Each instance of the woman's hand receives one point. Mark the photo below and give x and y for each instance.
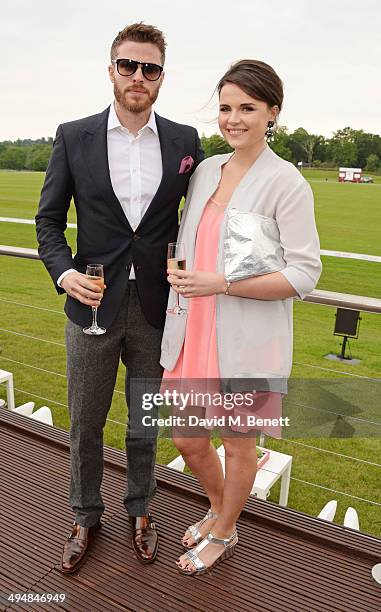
(196, 284)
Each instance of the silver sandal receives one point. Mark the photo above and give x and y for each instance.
(200, 567)
(194, 530)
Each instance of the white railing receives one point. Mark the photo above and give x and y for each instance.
(317, 296)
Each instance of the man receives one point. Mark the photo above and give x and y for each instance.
(127, 169)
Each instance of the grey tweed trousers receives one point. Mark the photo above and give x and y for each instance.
(92, 365)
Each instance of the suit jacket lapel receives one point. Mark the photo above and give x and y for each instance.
(172, 150)
(94, 148)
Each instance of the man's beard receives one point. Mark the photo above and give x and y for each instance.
(135, 107)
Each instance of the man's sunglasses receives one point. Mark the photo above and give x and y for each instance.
(127, 67)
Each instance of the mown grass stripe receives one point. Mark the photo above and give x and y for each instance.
(9, 331)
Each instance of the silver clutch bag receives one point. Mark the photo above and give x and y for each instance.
(251, 245)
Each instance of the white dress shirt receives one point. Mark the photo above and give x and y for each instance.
(135, 167)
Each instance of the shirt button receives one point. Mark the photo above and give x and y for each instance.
(136, 237)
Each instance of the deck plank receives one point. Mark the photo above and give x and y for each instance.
(286, 561)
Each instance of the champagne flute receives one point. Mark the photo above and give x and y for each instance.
(176, 261)
(94, 272)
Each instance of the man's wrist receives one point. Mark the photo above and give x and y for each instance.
(63, 275)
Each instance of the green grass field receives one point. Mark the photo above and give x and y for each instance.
(32, 345)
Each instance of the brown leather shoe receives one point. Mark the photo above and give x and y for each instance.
(76, 547)
(144, 538)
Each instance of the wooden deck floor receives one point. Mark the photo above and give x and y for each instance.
(285, 562)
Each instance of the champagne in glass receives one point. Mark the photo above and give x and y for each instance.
(94, 272)
(176, 261)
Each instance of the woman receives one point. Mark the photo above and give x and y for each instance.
(240, 329)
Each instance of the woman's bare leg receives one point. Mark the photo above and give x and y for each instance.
(201, 457)
(240, 471)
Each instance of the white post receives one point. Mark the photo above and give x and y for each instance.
(10, 393)
(7, 377)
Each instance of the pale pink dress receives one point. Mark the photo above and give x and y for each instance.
(199, 358)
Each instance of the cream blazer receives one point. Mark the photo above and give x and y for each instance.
(254, 337)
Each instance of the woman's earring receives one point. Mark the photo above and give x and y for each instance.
(269, 132)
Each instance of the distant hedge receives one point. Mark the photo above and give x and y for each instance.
(26, 154)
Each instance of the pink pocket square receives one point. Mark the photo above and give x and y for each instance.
(186, 164)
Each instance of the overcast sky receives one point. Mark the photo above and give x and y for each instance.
(54, 58)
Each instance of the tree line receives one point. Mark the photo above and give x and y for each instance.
(25, 154)
(347, 147)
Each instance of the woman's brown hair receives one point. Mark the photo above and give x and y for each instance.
(257, 79)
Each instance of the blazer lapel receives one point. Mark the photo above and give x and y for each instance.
(172, 150)
(94, 149)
